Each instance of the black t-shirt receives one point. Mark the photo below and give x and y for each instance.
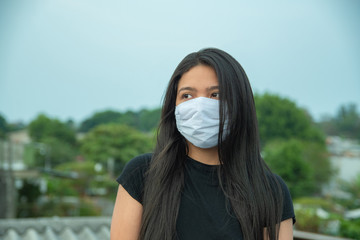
(203, 213)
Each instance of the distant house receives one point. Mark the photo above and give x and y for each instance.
(12, 170)
(12, 150)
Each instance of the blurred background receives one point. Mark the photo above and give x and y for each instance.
(81, 85)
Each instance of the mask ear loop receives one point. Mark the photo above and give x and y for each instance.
(185, 144)
(224, 122)
(221, 132)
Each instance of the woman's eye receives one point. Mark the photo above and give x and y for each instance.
(215, 95)
(186, 96)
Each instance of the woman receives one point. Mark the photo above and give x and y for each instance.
(206, 178)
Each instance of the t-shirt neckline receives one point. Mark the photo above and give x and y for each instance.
(202, 166)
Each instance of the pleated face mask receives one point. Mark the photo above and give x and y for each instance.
(198, 121)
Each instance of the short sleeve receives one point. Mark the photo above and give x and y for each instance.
(288, 208)
(132, 176)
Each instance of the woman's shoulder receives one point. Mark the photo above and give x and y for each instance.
(142, 161)
(132, 176)
(275, 179)
(277, 183)
(288, 208)
(280, 180)
(135, 168)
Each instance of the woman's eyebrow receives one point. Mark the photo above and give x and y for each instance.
(212, 88)
(187, 89)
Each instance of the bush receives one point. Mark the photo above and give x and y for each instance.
(307, 220)
(350, 228)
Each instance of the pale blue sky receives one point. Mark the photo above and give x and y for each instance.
(70, 58)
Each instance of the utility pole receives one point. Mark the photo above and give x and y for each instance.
(2, 180)
(111, 166)
(7, 186)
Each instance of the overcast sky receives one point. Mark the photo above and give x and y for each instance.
(70, 58)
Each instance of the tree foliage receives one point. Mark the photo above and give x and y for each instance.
(99, 118)
(85, 173)
(303, 165)
(44, 127)
(3, 127)
(353, 188)
(28, 194)
(143, 120)
(149, 119)
(280, 118)
(286, 159)
(53, 151)
(16, 126)
(115, 141)
(345, 123)
(293, 145)
(54, 142)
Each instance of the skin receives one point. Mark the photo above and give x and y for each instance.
(199, 81)
(126, 219)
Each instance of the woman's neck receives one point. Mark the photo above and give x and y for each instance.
(208, 156)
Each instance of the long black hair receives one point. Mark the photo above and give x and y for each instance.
(251, 190)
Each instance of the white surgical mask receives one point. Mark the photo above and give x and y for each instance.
(198, 121)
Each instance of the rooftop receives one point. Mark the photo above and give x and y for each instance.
(55, 228)
(83, 228)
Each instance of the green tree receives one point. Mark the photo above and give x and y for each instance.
(316, 156)
(328, 125)
(115, 141)
(350, 228)
(345, 123)
(99, 118)
(43, 127)
(28, 195)
(16, 126)
(292, 144)
(84, 173)
(295, 161)
(3, 127)
(51, 152)
(54, 142)
(280, 118)
(309, 220)
(88, 176)
(129, 118)
(144, 120)
(149, 119)
(353, 188)
(286, 159)
(76, 180)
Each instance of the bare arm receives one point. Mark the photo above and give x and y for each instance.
(286, 230)
(126, 219)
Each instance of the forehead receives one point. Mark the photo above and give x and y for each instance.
(198, 76)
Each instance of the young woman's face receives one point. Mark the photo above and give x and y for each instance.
(199, 81)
